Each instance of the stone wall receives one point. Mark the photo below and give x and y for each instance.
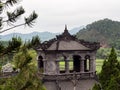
(70, 85)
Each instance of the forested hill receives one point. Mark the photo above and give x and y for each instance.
(106, 31)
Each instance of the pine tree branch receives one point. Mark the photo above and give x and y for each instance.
(12, 27)
(11, 2)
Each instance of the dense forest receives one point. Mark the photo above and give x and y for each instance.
(106, 31)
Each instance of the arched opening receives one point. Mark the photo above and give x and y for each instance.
(62, 64)
(40, 62)
(87, 63)
(76, 63)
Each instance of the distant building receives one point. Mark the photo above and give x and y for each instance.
(67, 63)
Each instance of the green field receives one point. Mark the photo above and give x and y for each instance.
(99, 63)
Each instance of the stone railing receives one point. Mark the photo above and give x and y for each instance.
(68, 76)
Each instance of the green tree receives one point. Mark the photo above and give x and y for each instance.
(109, 70)
(1, 47)
(33, 43)
(27, 78)
(113, 84)
(14, 44)
(8, 51)
(96, 87)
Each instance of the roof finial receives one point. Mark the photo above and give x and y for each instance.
(66, 30)
(65, 27)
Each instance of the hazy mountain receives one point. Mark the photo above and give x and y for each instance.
(43, 35)
(75, 30)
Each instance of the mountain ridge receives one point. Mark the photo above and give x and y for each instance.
(44, 36)
(105, 31)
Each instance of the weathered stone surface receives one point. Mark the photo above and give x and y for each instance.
(67, 45)
(50, 85)
(70, 85)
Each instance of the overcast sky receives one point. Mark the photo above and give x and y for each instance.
(54, 14)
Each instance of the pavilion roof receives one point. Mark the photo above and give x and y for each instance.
(66, 42)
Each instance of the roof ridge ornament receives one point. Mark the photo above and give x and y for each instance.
(66, 27)
(65, 33)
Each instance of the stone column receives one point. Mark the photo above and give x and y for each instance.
(85, 65)
(82, 65)
(91, 64)
(67, 65)
(38, 64)
(58, 67)
(44, 64)
(94, 63)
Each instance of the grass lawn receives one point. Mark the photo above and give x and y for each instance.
(62, 65)
(99, 63)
